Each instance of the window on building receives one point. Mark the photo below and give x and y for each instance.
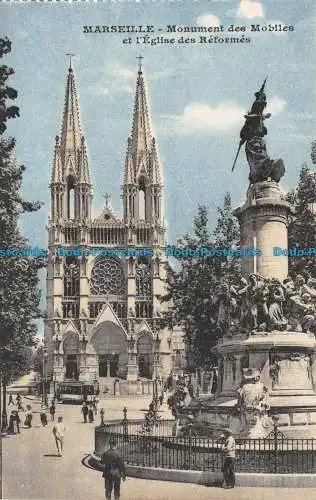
(107, 277)
(71, 277)
(142, 199)
(70, 198)
(143, 277)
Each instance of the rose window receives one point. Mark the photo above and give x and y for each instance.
(107, 277)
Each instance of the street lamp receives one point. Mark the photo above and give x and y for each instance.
(3, 350)
(3, 414)
(44, 395)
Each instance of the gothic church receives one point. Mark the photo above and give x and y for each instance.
(104, 315)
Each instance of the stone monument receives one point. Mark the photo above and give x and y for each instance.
(267, 349)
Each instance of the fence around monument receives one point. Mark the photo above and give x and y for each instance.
(160, 448)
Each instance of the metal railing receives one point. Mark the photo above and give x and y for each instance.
(276, 454)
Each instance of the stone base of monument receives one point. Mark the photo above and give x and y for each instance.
(281, 378)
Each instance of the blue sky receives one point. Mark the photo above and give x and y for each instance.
(198, 94)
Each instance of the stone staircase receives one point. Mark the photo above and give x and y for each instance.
(106, 383)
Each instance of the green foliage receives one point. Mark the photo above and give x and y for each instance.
(6, 111)
(19, 293)
(302, 229)
(18, 362)
(38, 360)
(191, 288)
(313, 153)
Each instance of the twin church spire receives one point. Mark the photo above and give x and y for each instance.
(71, 182)
(71, 188)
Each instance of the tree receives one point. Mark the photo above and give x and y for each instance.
(38, 360)
(302, 229)
(192, 287)
(313, 153)
(19, 292)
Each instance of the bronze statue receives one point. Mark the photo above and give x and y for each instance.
(262, 167)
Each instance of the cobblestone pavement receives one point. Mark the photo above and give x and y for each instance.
(32, 469)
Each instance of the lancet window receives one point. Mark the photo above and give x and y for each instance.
(143, 277)
(71, 277)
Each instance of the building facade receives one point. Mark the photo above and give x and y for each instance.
(104, 315)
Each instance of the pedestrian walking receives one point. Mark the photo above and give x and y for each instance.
(102, 416)
(10, 429)
(59, 431)
(91, 414)
(19, 403)
(113, 471)
(229, 460)
(52, 410)
(20, 407)
(95, 405)
(43, 415)
(28, 417)
(17, 422)
(84, 411)
(10, 402)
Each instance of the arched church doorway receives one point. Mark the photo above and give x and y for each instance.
(71, 356)
(109, 365)
(109, 343)
(145, 355)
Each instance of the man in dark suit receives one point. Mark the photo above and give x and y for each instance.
(113, 471)
(229, 459)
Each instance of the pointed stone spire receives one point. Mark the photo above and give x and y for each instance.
(143, 183)
(141, 150)
(141, 131)
(70, 165)
(72, 148)
(70, 130)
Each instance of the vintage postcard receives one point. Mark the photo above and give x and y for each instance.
(157, 249)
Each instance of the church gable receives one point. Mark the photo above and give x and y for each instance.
(69, 327)
(107, 314)
(143, 327)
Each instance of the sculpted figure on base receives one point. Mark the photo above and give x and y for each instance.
(262, 167)
(253, 404)
(254, 304)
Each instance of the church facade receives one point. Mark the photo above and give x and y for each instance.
(106, 274)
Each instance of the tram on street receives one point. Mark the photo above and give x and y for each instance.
(77, 392)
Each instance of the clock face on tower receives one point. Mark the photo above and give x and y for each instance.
(107, 277)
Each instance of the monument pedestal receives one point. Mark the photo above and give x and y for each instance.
(263, 223)
(285, 361)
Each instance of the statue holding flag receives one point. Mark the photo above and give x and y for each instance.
(262, 168)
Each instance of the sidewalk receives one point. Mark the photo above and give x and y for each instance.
(32, 470)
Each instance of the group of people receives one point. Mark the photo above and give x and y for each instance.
(90, 411)
(14, 423)
(43, 414)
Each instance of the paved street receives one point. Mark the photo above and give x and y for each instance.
(32, 470)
